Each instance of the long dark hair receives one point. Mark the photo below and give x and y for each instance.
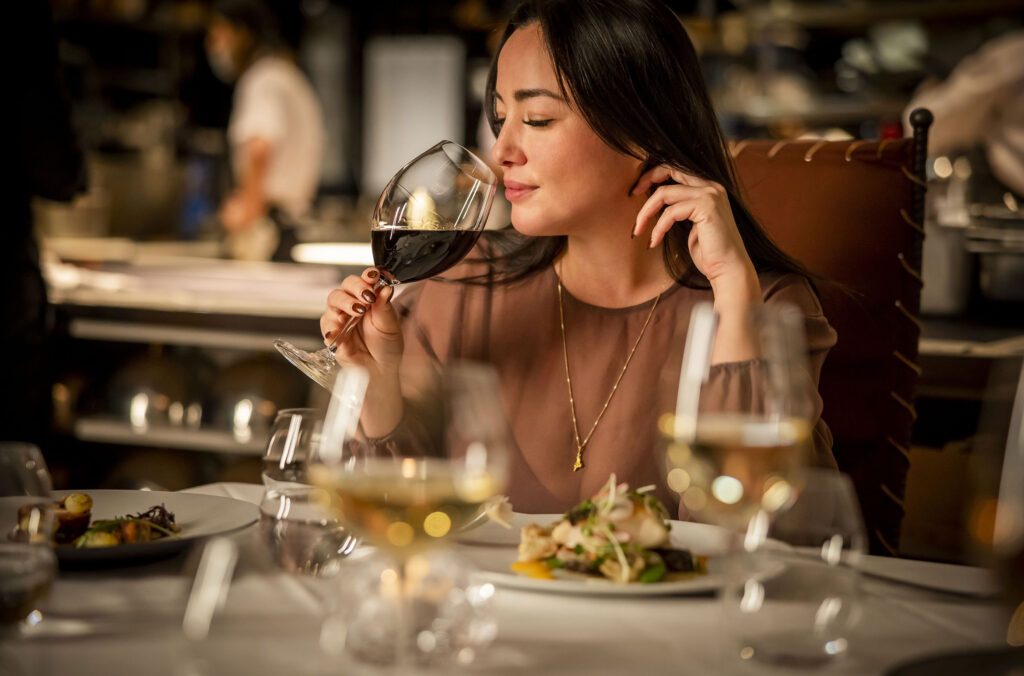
(632, 72)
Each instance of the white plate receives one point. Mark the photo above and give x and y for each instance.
(200, 516)
(493, 562)
(493, 533)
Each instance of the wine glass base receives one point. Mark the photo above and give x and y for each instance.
(319, 366)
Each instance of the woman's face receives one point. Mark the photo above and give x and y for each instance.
(559, 176)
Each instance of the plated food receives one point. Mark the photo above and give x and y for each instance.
(621, 535)
(74, 525)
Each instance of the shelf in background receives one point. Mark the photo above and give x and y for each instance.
(108, 431)
(135, 332)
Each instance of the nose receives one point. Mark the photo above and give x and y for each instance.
(506, 151)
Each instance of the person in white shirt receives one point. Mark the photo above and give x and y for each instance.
(981, 104)
(276, 130)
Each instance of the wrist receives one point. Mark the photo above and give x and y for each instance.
(737, 293)
(382, 406)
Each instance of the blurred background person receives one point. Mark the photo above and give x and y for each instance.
(981, 106)
(48, 163)
(275, 133)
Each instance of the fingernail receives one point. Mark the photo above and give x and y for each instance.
(368, 296)
(373, 274)
(359, 308)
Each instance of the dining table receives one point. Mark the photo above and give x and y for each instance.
(127, 619)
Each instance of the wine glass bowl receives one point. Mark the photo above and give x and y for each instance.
(428, 217)
(730, 457)
(448, 457)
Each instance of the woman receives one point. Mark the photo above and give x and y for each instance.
(609, 144)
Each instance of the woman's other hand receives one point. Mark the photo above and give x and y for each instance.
(715, 246)
(714, 240)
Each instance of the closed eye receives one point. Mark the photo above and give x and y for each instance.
(537, 123)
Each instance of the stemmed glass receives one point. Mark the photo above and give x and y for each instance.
(27, 562)
(409, 493)
(429, 216)
(731, 459)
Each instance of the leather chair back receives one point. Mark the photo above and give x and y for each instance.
(852, 213)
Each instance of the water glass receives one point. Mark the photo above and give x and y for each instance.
(294, 434)
(792, 594)
(301, 534)
(27, 563)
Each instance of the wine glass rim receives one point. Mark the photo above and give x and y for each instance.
(300, 411)
(482, 171)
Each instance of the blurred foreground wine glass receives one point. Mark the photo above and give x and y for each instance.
(406, 495)
(792, 594)
(28, 565)
(730, 459)
(995, 509)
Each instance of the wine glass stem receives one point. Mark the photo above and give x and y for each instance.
(354, 320)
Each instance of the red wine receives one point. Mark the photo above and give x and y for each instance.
(412, 254)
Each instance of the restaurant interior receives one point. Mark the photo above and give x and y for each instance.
(873, 139)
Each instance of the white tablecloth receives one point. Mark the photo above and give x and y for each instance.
(270, 625)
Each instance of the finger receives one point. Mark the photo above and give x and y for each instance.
(663, 173)
(352, 287)
(676, 213)
(329, 324)
(663, 196)
(371, 275)
(658, 174)
(382, 316)
(350, 346)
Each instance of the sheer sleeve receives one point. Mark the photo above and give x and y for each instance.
(424, 340)
(734, 386)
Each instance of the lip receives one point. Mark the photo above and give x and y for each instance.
(515, 191)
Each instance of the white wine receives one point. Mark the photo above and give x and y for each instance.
(738, 464)
(404, 505)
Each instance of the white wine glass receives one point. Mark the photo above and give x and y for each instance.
(729, 457)
(429, 216)
(409, 493)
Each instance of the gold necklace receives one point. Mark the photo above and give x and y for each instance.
(580, 445)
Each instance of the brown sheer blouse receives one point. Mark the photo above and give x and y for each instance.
(515, 328)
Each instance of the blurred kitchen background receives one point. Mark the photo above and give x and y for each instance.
(164, 371)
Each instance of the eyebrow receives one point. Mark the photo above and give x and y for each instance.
(523, 94)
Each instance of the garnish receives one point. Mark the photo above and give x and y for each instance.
(619, 534)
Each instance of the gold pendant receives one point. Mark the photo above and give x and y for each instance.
(578, 465)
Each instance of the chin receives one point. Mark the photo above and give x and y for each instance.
(532, 226)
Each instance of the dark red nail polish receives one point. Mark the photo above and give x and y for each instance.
(368, 296)
(373, 274)
(359, 308)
